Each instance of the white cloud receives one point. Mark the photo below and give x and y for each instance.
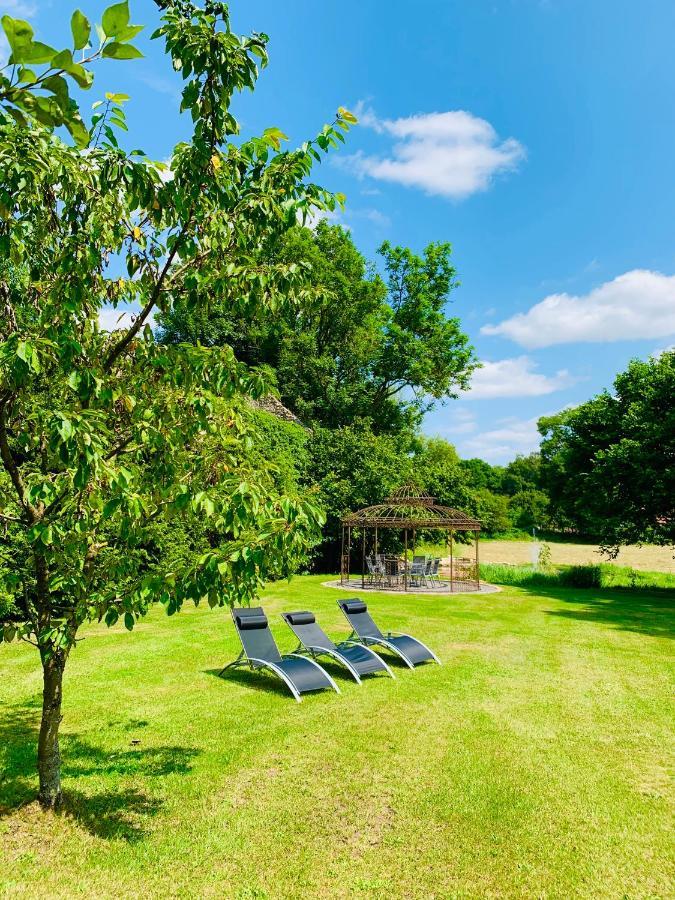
(452, 154)
(374, 216)
(160, 84)
(515, 378)
(503, 444)
(459, 421)
(637, 304)
(19, 8)
(312, 218)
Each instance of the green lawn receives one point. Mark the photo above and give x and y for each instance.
(534, 762)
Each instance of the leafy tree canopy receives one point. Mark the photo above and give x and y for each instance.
(104, 437)
(609, 464)
(360, 347)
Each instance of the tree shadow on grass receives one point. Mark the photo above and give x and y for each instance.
(644, 613)
(119, 812)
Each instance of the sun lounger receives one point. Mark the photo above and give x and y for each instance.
(354, 656)
(408, 648)
(259, 651)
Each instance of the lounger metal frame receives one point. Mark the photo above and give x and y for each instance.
(383, 642)
(304, 649)
(254, 663)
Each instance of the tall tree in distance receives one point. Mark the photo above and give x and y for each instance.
(609, 464)
(104, 435)
(360, 346)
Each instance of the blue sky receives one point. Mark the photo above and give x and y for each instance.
(538, 136)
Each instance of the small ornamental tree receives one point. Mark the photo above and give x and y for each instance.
(103, 436)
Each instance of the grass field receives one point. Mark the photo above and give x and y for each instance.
(646, 558)
(535, 762)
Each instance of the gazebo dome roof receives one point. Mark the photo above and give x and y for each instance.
(408, 507)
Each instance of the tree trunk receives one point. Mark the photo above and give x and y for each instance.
(49, 758)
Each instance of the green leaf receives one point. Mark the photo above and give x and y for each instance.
(274, 136)
(128, 33)
(78, 131)
(347, 116)
(81, 29)
(26, 76)
(19, 34)
(115, 18)
(128, 621)
(121, 51)
(64, 61)
(35, 52)
(59, 87)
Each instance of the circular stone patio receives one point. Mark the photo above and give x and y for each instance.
(443, 589)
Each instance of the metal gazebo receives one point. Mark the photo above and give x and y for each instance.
(410, 510)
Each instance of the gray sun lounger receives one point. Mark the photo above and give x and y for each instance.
(259, 651)
(410, 650)
(356, 657)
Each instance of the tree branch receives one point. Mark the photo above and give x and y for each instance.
(11, 467)
(122, 345)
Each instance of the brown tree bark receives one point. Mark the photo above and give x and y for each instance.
(49, 757)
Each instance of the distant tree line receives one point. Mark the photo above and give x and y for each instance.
(366, 355)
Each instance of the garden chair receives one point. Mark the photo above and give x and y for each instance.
(355, 657)
(259, 651)
(431, 574)
(418, 570)
(374, 571)
(408, 648)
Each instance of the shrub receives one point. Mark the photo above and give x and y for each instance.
(581, 577)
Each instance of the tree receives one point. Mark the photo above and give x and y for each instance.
(352, 467)
(609, 464)
(528, 509)
(105, 436)
(521, 474)
(359, 348)
(480, 474)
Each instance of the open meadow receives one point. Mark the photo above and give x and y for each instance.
(646, 558)
(533, 762)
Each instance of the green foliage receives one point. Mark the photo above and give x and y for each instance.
(352, 467)
(581, 576)
(521, 474)
(609, 464)
(32, 98)
(544, 560)
(480, 474)
(492, 511)
(107, 440)
(528, 509)
(605, 576)
(354, 345)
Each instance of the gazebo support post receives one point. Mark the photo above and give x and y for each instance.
(452, 574)
(363, 557)
(405, 559)
(342, 557)
(477, 563)
(349, 550)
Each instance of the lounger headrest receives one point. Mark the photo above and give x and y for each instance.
(301, 618)
(256, 620)
(354, 606)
